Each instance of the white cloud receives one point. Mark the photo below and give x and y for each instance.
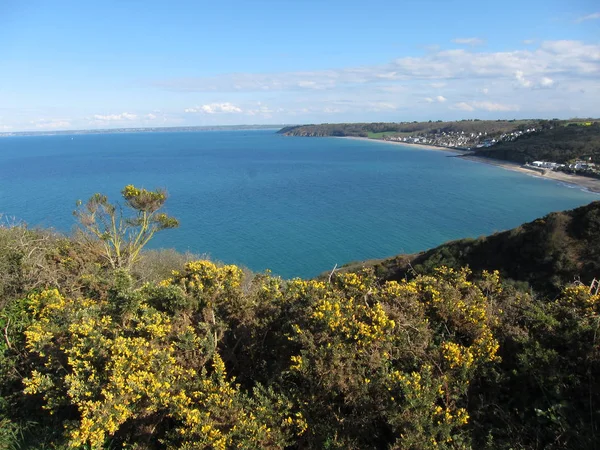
(485, 106)
(387, 75)
(473, 41)
(150, 116)
(464, 106)
(393, 89)
(540, 83)
(566, 59)
(262, 110)
(593, 16)
(51, 124)
(309, 84)
(490, 106)
(115, 117)
(437, 99)
(215, 108)
(521, 79)
(528, 42)
(380, 106)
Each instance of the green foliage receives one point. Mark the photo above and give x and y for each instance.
(545, 391)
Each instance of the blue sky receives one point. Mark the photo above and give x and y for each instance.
(129, 63)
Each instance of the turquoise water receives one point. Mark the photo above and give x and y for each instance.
(295, 205)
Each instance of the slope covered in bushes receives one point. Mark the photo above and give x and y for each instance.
(546, 254)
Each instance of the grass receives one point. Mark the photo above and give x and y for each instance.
(383, 134)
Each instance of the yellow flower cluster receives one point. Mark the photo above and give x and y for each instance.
(298, 289)
(410, 382)
(206, 279)
(456, 355)
(130, 191)
(120, 371)
(456, 417)
(465, 310)
(357, 322)
(579, 295)
(349, 281)
(271, 289)
(393, 289)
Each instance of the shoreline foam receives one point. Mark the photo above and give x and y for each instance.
(587, 183)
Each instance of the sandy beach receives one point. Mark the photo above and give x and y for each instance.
(406, 144)
(591, 184)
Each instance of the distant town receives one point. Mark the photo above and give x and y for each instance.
(459, 139)
(571, 146)
(472, 141)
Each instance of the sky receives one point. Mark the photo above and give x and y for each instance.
(70, 65)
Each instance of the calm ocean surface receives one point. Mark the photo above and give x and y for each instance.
(295, 205)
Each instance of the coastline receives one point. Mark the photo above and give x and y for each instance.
(406, 144)
(590, 184)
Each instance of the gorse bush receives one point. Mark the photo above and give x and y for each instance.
(212, 357)
(148, 365)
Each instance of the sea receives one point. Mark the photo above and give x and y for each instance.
(294, 205)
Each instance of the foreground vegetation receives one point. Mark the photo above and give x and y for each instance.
(154, 350)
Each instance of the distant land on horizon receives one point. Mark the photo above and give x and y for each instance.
(373, 130)
(144, 130)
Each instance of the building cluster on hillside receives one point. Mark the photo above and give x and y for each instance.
(459, 139)
(546, 165)
(579, 166)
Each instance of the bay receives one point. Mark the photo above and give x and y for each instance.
(294, 205)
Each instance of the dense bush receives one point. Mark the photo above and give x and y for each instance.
(214, 357)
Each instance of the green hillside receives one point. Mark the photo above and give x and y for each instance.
(560, 144)
(546, 254)
(377, 129)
